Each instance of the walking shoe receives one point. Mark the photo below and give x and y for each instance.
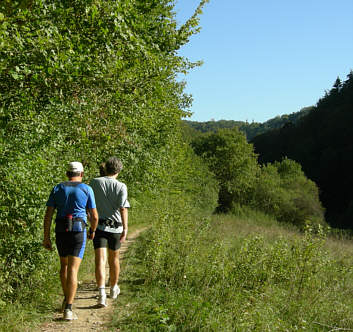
(102, 300)
(114, 292)
(63, 305)
(69, 315)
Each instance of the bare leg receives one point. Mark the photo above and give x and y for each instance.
(114, 266)
(72, 272)
(63, 274)
(100, 259)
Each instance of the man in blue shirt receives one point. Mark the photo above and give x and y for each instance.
(72, 200)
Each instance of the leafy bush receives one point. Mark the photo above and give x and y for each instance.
(233, 162)
(282, 190)
(188, 178)
(83, 80)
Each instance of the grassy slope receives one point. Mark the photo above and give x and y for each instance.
(281, 281)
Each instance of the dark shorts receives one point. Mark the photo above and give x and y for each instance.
(104, 239)
(71, 243)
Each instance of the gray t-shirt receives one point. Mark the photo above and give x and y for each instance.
(110, 195)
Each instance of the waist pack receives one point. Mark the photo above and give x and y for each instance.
(109, 223)
(69, 224)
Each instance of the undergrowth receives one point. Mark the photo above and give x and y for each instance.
(192, 280)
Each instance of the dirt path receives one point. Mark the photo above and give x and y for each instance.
(90, 316)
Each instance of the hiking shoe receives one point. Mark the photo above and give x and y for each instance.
(69, 315)
(114, 292)
(63, 305)
(102, 300)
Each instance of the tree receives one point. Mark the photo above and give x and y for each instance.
(338, 84)
(322, 143)
(233, 162)
(81, 80)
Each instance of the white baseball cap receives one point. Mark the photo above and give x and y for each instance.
(75, 166)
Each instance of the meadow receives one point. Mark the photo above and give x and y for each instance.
(191, 272)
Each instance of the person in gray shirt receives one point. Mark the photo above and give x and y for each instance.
(112, 206)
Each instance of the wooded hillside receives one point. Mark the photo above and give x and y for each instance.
(323, 144)
(249, 129)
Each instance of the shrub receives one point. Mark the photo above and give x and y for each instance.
(282, 190)
(232, 160)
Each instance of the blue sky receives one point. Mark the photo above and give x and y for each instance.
(264, 58)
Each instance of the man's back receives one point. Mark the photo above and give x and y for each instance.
(71, 198)
(110, 195)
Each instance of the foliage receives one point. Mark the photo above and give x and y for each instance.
(188, 178)
(322, 144)
(233, 162)
(280, 189)
(283, 191)
(81, 81)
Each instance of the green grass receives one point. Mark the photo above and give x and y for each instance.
(230, 273)
(34, 304)
(191, 272)
(37, 305)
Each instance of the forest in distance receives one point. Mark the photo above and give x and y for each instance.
(319, 138)
(250, 129)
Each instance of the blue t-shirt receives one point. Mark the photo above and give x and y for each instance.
(72, 198)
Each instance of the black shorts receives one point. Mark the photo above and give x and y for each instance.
(71, 243)
(104, 239)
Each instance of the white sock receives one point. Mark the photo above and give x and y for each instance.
(101, 290)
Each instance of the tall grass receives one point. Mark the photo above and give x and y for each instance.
(34, 300)
(236, 274)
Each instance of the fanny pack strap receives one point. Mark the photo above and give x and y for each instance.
(64, 224)
(109, 223)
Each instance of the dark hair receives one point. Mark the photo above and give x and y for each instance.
(70, 174)
(102, 170)
(113, 166)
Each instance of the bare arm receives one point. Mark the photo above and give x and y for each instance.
(47, 225)
(124, 219)
(93, 218)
